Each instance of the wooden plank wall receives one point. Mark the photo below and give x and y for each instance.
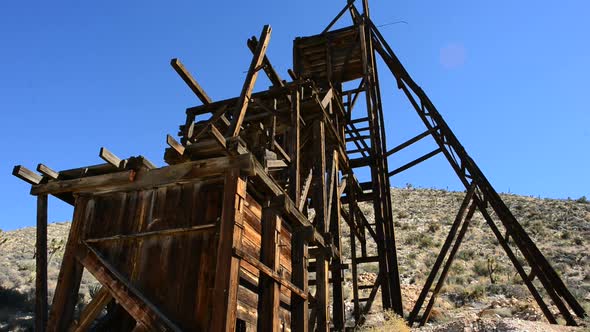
(174, 272)
(251, 243)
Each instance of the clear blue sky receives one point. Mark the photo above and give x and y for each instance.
(510, 77)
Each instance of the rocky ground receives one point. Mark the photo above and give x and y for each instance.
(482, 293)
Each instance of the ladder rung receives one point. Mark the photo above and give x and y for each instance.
(356, 151)
(359, 120)
(366, 185)
(357, 138)
(360, 162)
(365, 286)
(357, 130)
(364, 197)
(370, 259)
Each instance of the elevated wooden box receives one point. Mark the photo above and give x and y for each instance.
(180, 247)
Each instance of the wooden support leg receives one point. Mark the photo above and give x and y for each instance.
(224, 306)
(445, 271)
(299, 306)
(70, 274)
(319, 200)
(441, 256)
(337, 277)
(41, 262)
(269, 294)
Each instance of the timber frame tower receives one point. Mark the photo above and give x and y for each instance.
(245, 222)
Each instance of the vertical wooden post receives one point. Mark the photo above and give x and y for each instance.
(299, 306)
(269, 295)
(337, 278)
(41, 262)
(294, 147)
(70, 274)
(319, 200)
(227, 268)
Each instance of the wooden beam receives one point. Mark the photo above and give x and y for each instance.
(269, 272)
(41, 265)
(48, 172)
(155, 234)
(269, 288)
(175, 145)
(327, 98)
(26, 175)
(294, 148)
(129, 297)
(448, 263)
(227, 267)
(127, 180)
(88, 183)
(190, 81)
(442, 254)
(273, 76)
(70, 274)
(305, 191)
(244, 99)
(299, 274)
(92, 310)
(319, 200)
(414, 162)
(110, 158)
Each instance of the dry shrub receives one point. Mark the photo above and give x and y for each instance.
(393, 323)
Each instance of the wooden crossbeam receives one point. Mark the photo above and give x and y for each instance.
(125, 180)
(190, 81)
(249, 82)
(26, 175)
(155, 234)
(269, 272)
(175, 145)
(127, 295)
(48, 172)
(414, 162)
(111, 158)
(92, 310)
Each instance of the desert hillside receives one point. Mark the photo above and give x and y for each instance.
(482, 293)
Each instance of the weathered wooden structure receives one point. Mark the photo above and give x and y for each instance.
(242, 229)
